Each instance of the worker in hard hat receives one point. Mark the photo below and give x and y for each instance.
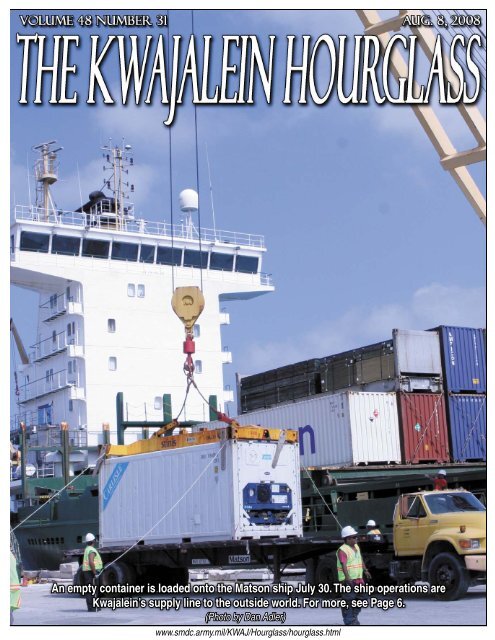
(91, 567)
(372, 529)
(440, 482)
(350, 569)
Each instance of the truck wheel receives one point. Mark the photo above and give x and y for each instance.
(115, 574)
(447, 570)
(130, 575)
(326, 573)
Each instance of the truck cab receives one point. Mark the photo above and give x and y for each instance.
(440, 537)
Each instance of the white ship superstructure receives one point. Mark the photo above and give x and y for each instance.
(105, 323)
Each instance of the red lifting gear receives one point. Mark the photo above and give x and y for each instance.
(189, 348)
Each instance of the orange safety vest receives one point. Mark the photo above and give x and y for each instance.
(374, 532)
(354, 562)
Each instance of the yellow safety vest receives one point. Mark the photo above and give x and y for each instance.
(15, 585)
(375, 532)
(98, 562)
(354, 563)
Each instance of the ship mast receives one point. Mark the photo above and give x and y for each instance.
(45, 171)
(119, 159)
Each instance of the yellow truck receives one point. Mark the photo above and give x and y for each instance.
(440, 537)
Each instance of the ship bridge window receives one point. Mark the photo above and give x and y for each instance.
(95, 248)
(34, 241)
(169, 255)
(66, 245)
(125, 251)
(246, 264)
(147, 253)
(195, 258)
(222, 261)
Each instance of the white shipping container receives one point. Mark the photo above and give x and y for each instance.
(338, 429)
(201, 493)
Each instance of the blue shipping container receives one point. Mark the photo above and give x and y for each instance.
(464, 360)
(467, 420)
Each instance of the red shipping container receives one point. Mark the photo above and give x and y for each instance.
(423, 427)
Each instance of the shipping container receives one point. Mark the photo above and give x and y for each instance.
(464, 359)
(467, 420)
(423, 427)
(224, 490)
(338, 429)
(409, 362)
(418, 362)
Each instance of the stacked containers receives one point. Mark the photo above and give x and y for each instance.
(421, 402)
(464, 365)
(337, 429)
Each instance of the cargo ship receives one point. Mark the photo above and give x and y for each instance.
(109, 347)
(372, 422)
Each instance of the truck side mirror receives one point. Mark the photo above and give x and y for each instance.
(404, 506)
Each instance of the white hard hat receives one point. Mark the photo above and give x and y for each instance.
(348, 531)
(371, 523)
(442, 472)
(89, 537)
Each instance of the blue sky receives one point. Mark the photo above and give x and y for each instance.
(365, 231)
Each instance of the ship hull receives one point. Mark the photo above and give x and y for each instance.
(57, 527)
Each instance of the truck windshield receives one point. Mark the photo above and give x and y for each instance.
(453, 502)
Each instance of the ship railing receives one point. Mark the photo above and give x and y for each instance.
(29, 418)
(46, 470)
(141, 226)
(52, 381)
(266, 279)
(15, 473)
(49, 346)
(54, 306)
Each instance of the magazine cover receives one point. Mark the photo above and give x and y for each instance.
(248, 319)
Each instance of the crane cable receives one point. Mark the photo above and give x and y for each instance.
(170, 162)
(197, 174)
(14, 363)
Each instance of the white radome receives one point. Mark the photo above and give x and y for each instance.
(188, 200)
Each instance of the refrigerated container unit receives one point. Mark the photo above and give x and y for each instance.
(463, 358)
(423, 427)
(467, 421)
(418, 363)
(238, 484)
(338, 429)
